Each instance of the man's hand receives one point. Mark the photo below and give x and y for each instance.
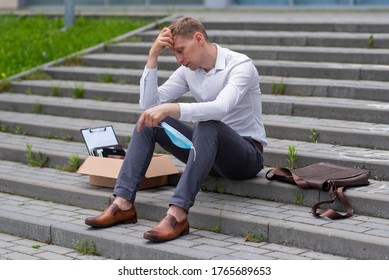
(153, 116)
(164, 40)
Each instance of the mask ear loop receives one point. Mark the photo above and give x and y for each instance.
(192, 148)
(194, 153)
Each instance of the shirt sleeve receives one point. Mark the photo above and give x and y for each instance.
(241, 78)
(152, 95)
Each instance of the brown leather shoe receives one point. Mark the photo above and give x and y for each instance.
(113, 215)
(167, 229)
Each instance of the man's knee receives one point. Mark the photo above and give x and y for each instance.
(209, 126)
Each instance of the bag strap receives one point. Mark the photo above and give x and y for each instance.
(334, 192)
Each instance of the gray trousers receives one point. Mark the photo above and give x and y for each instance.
(220, 152)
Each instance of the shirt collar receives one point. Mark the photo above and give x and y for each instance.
(220, 60)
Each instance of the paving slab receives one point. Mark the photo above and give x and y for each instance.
(118, 244)
(277, 222)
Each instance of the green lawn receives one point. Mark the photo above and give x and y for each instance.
(26, 42)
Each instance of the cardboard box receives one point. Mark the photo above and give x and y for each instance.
(104, 171)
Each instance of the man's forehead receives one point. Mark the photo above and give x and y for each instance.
(180, 42)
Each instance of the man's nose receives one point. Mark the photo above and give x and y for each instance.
(179, 59)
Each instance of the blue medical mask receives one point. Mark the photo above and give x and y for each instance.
(178, 138)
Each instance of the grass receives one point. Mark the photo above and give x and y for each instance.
(56, 90)
(298, 197)
(73, 164)
(19, 130)
(85, 247)
(278, 89)
(217, 229)
(314, 135)
(4, 128)
(78, 91)
(37, 108)
(249, 236)
(371, 41)
(5, 85)
(37, 75)
(32, 160)
(292, 156)
(106, 78)
(29, 41)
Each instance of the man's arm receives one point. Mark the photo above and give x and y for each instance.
(153, 116)
(164, 40)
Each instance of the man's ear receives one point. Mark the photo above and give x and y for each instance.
(199, 37)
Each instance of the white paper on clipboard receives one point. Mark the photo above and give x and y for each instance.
(99, 137)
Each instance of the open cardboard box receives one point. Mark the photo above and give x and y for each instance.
(103, 171)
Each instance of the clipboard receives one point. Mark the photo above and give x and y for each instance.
(99, 137)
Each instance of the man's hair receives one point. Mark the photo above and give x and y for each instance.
(186, 27)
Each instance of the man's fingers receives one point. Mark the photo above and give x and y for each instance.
(140, 123)
(166, 37)
(146, 119)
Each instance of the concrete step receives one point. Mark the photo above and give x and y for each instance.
(299, 86)
(14, 247)
(59, 227)
(57, 127)
(97, 74)
(329, 131)
(292, 26)
(345, 133)
(326, 108)
(64, 106)
(322, 70)
(366, 90)
(313, 107)
(88, 90)
(287, 38)
(58, 157)
(14, 148)
(314, 54)
(310, 153)
(351, 89)
(277, 222)
(50, 152)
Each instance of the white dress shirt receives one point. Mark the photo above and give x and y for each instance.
(229, 92)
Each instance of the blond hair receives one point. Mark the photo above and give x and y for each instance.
(186, 27)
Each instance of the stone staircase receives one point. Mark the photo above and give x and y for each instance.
(325, 92)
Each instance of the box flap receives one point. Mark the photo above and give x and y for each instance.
(161, 165)
(109, 167)
(99, 166)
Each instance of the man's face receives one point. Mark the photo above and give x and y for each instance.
(187, 52)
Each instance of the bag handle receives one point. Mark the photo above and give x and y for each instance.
(285, 174)
(271, 174)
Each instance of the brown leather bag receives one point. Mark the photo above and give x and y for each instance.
(327, 177)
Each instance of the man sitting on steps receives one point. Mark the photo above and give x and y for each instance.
(228, 136)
